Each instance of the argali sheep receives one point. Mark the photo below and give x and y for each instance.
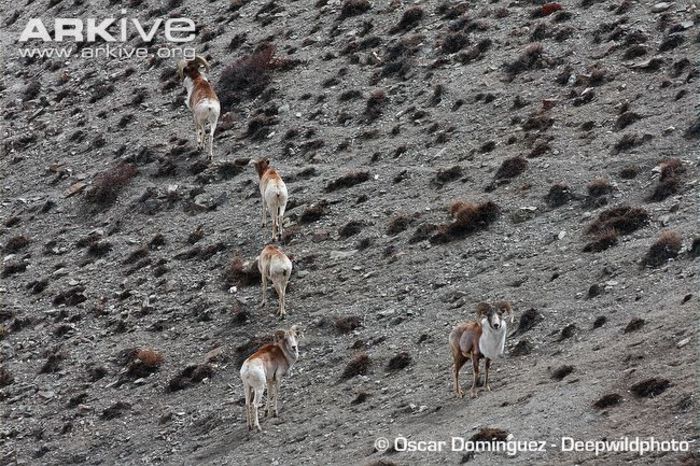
(265, 369)
(274, 265)
(201, 99)
(274, 195)
(484, 338)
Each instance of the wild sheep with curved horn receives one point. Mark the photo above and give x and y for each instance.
(201, 98)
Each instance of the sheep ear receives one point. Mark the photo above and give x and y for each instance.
(296, 331)
(482, 309)
(279, 335)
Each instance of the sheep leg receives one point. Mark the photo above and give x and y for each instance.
(280, 215)
(264, 289)
(263, 220)
(458, 363)
(211, 140)
(268, 402)
(276, 385)
(487, 364)
(257, 402)
(280, 297)
(248, 401)
(473, 392)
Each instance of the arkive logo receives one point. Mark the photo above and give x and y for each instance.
(108, 37)
(176, 30)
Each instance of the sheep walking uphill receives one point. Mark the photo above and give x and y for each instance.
(485, 338)
(265, 369)
(274, 265)
(274, 195)
(201, 99)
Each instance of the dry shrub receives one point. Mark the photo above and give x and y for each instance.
(603, 240)
(410, 19)
(467, 218)
(246, 77)
(599, 187)
(669, 181)
(606, 401)
(400, 361)
(358, 365)
(107, 185)
(314, 212)
(398, 224)
(149, 357)
(629, 173)
(490, 434)
(666, 247)
(348, 180)
(189, 376)
(16, 243)
(512, 167)
(375, 104)
(347, 324)
(558, 195)
(651, 387)
(351, 228)
(528, 59)
(354, 8)
(6, 377)
(562, 371)
(623, 219)
(445, 175)
(242, 273)
(545, 10)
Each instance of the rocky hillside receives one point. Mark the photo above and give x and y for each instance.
(437, 154)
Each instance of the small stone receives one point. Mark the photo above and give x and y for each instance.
(661, 6)
(683, 342)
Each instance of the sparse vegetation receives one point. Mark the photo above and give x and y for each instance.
(666, 247)
(107, 185)
(358, 365)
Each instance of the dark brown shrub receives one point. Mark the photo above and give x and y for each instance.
(445, 175)
(351, 228)
(560, 372)
(468, 218)
(16, 243)
(247, 77)
(666, 247)
(398, 224)
(107, 185)
(242, 273)
(623, 219)
(358, 365)
(511, 168)
(347, 324)
(348, 180)
(626, 119)
(651, 387)
(375, 104)
(490, 434)
(558, 195)
(314, 212)
(354, 8)
(6, 377)
(629, 173)
(410, 19)
(528, 59)
(606, 401)
(399, 361)
(604, 239)
(599, 187)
